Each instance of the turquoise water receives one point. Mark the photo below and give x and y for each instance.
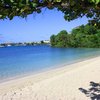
(16, 61)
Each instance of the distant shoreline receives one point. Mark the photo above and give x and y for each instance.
(43, 42)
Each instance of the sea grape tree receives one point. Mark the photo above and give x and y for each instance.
(72, 9)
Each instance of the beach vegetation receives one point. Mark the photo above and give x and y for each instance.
(72, 9)
(87, 36)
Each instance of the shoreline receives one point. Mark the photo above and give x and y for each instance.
(48, 69)
(62, 66)
(80, 73)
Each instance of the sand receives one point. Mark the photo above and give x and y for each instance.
(57, 84)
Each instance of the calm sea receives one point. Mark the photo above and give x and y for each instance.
(17, 61)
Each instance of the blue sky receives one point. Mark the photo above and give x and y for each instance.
(36, 27)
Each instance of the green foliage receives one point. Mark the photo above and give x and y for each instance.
(59, 40)
(52, 40)
(87, 30)
(42, 42)
(72, 9)
(87, 36)
(95, 1)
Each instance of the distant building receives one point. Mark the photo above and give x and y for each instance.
(39, 42)
(46, 41)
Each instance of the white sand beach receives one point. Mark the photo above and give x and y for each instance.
(57, 84)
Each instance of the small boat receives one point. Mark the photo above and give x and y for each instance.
(8, 45)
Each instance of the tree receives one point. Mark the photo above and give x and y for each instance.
(42, 42)
(59, 40)
(90, 29)
(87, 36)
(72, 9)
(53, 40)
(62, 39)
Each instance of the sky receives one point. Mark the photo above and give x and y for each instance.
(36, 27)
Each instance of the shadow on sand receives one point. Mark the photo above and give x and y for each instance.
(93, 92)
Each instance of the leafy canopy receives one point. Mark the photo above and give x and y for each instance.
(87, 36)
(72, 9)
